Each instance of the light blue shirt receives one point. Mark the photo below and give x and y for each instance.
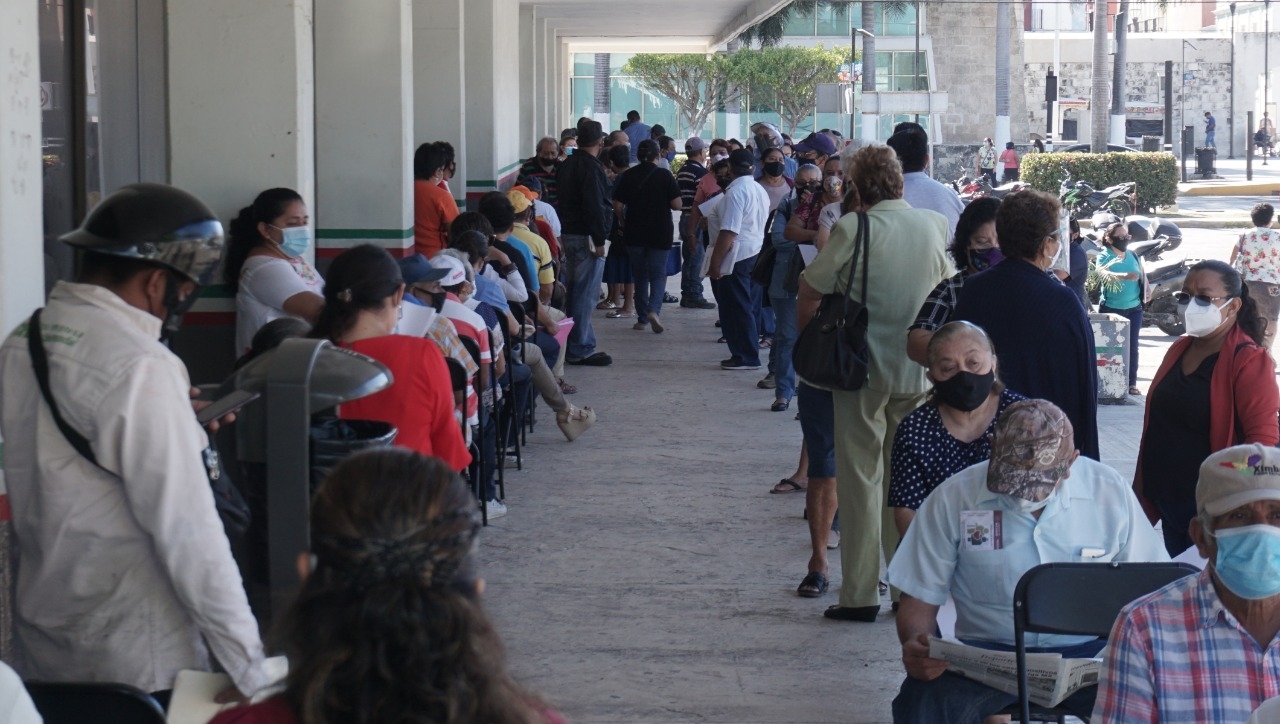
(487, 291)
(1093, 516)
(523, 248)
(637, 132)
(923, 192)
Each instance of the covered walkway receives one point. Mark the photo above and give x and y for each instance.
(645, 575)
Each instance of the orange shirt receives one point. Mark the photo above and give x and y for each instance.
(433, 210)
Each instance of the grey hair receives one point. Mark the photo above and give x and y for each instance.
(462, 256)
(809, 167)
(1206, 521)
(846, 159)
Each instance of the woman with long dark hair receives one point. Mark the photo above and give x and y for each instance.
(362, 308)
(1215, 388)
(265, 266)
(388, 626)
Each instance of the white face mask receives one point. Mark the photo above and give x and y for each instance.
(1200, 321)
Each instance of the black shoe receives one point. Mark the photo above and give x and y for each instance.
(697, 304)
(780, 405)
(598, 359)
(865, 614)
(737, 364)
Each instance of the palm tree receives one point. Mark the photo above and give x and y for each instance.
(1098, 136)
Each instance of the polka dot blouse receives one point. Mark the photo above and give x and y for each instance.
(925, 454)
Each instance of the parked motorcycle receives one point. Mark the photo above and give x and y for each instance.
(971, 188)
(1152, 237)
(1002, 190)
(1082, 200)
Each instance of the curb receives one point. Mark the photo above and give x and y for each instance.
(1229, 222)
(1247, 188)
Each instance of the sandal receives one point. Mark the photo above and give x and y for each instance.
(787, 485)
(575, 421)
(814, 585)
(606, 305)
(765, 343)
(620, 314)
(1135, 392)
(565, 387)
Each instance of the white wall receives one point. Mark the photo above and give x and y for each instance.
(439, 93)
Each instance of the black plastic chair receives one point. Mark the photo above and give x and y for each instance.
(98, 703)
(479, 465)
(1081, 599)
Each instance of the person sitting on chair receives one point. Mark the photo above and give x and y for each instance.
(1204, 648)
(1050, 504)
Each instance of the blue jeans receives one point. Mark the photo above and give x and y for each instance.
(649, 269)
(739, 296)
(1135, 326)
(764, 317)
(784, 341)
(691, 272)
(954, 699)
(1208, 139)
(582, 274)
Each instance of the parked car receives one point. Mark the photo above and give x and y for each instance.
(1084, 148)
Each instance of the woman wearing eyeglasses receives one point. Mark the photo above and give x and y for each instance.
(1215, 388)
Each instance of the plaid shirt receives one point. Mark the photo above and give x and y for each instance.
(1178, 655)
(940, 305)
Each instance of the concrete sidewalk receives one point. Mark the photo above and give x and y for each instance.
(644, 574)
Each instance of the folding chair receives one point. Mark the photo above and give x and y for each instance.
(479, 463)
(1080, 599)
(105, 703)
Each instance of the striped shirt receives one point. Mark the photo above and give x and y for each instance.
(1178, 655)
(690, 174)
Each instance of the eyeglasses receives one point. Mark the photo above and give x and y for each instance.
(1202, 300)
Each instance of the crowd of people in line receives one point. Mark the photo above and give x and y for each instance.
(978, 413)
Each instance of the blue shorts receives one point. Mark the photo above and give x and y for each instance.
(818, 421)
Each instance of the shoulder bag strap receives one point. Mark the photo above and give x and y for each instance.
(864, 226)
(40, 363)
(860, 244)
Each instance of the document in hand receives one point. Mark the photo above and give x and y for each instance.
(194, 693)
(1050, 678)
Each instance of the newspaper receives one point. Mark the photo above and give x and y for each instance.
(1050, 678)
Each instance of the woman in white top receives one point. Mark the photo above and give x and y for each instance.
(265, 265)
(1257, 258)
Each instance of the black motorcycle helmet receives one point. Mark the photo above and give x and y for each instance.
(160, 224)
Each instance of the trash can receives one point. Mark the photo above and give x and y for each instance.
(333, 439)
(1152, 144)
(1205, 161)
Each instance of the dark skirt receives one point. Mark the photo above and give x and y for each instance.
(617, 265)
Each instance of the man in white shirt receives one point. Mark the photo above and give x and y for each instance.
(911, 143)
(125, 573)
(743, 214)
(1036, 501)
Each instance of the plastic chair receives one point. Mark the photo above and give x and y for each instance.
(478, 462)
(1080, 599)
(101, 703)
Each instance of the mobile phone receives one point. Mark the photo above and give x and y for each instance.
(226, 405)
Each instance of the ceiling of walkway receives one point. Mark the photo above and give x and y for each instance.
(701, 25)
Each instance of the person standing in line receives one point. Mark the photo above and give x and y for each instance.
(691, 239)
(911, 143)
(585, 216)
(1009, 157)
(986, 165)
(782, 291)
(1257, 258)
(1210, 128)
(636, 131)
(745, 209)
(643, 200)
(433, 206)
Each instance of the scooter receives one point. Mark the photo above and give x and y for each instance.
(968, 188)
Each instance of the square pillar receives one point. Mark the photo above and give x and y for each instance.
(526, 62)
(22, 186)
(439, 94)
(364, 125)
(494, 150)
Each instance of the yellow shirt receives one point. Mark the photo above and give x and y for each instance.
(541, 252)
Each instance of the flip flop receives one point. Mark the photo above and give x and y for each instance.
(814, 585)
(787, 485)
(619, 314)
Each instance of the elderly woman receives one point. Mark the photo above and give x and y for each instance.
(1257, 257)
(974, 250)
(953, 429)
(1215, 388)
(906, 251)
(1043, 334)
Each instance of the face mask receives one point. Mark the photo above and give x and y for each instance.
(773, 168)
(833, 184)
(1199, 320)
(175, 307)
(1031, 506)
(965, 391)
(985, 258)
(723, 182)
(1248, 560)
(670, 156)
(807, 188)
(717, 158)
(1119, 244)
(568, 151)
(547, 162)
(294, 240)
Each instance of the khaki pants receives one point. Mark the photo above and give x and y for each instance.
(557, 368)
(866, 421)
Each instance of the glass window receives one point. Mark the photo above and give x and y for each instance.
(625, 96)
(799, 24)
(901, 23)
(617, 61)
(584, 64)
(833, 20)
(582, 97)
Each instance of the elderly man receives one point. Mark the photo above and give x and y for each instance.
(743, 214)
(1204, 649)
(1050, 505)
(543, 165)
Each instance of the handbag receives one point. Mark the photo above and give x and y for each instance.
(832, 352)
(762, 270)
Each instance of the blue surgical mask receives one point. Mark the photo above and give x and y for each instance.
(670, 156)
(294, 240)
(1248, 561)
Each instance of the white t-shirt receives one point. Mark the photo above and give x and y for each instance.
(266, 282)
(744, 211)
(829, 215)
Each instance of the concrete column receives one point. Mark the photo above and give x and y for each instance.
(364, 125)
(526, 65)
(21, 187)
(492, 109)
(542, 94)
(439, 93)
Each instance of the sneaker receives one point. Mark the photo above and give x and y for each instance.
(697, 304)
(737, 364)
(669, 298)
(767, 383)
(833, 539)
(597, 359)
(638, 326)
(496, 509)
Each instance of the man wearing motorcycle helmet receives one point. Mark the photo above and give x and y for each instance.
(125, 571)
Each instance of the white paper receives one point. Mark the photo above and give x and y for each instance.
(808, 252)
(1050, 678)
(194, 692)
(414, 320)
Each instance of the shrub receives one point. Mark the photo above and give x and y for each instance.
(1156, 174)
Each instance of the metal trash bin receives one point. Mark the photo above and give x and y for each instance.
(1152, 144)
(1205, 157)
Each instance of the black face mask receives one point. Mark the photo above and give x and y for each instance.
(1120, 244)
(965, 391)
(724, 182)
(174, 306)
(774, 168)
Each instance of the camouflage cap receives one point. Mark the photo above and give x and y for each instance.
(1031, 453)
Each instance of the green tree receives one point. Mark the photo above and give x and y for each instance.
(789, 76)
(697, 84)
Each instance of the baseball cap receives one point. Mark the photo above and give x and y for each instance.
(416, 268)
(742, 160)
(695, 144)
(521, 198)
(1031, 453)
(818, 143)
(1236, 476)
(454, 272)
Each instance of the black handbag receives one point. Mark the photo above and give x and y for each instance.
(831, 352)
(762, 270)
